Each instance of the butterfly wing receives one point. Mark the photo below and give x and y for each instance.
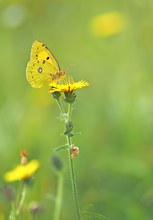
(42, 69)
(41, 51)
(39, 74)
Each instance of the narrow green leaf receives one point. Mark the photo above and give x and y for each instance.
(76, 133)
(61, 148)
(94, 214)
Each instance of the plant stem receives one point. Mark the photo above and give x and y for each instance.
(74, 188)
(60, 106)
(69, 112)
(21, 200)
(71, 164)
(59, 194)
(12, 215)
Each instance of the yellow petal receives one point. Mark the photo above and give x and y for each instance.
(22, 172)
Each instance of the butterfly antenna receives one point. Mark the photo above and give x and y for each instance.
(69, 67)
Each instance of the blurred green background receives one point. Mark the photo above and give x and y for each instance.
(115, 114)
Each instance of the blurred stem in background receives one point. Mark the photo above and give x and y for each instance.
(22, 198)
(59, 194)
(58, 167)
(15, 210)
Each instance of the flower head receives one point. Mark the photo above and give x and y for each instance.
(68, 85)
(22, 172)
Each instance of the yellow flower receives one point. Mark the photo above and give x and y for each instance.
(22, 172)
(107, 24)
(2, 217)
(68, 85)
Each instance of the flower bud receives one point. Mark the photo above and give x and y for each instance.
(74, 151)
(24, 156)
(9, 192)
(57, 162)
(35, 208)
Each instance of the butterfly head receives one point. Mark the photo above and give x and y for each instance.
(59, 75)
(62, 74)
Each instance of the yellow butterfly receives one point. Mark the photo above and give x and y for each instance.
(42, 69)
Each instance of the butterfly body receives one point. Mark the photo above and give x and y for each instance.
(42, 69)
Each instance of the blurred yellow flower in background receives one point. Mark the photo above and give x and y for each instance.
(22, 172)
(2, 217)
(107, 24)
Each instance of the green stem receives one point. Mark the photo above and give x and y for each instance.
(74, 187)
(60, 106)
(69, 112)
(12, 215)
(59, 194)
(23, 194)
(72, 170)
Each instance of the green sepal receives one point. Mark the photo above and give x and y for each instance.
(62, 148)
(70, 97)
(56, 95)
